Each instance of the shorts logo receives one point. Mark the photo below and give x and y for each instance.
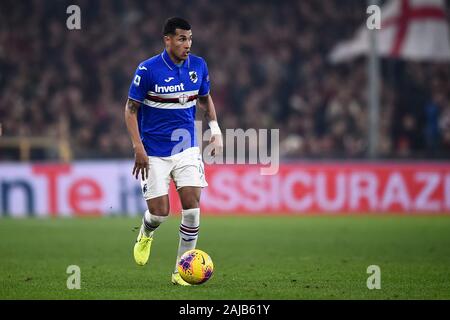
(144, 188)
(193, 76)
(201, 169)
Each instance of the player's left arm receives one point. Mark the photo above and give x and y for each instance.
(207, 104)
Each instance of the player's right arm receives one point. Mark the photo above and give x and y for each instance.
(140, 155)
(136, 95)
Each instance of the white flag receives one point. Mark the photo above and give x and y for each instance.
(410, 29)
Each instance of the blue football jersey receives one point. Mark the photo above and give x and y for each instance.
(168, 94)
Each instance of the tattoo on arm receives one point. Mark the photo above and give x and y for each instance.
(133, 106)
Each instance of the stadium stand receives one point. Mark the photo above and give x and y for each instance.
(69, 87)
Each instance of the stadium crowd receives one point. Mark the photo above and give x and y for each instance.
(267, 61)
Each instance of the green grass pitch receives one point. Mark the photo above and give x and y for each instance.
(255, 258)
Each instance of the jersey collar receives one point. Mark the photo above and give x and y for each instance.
(169, 63)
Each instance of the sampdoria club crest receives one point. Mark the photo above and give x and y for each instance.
(193, 76)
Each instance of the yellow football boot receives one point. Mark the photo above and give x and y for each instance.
(178, 280)
(142, 249)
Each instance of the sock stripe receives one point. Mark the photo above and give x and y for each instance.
(149, 227)
(188, 232)
(189, 228)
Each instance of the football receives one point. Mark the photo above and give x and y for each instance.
(195, 266)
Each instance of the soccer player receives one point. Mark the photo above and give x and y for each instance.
(160, 115)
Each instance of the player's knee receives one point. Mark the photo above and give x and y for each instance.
(191, 202)
(159, 208)
(190, 197)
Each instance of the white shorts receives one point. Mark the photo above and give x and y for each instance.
(185, 168)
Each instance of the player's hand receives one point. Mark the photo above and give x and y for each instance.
(140, 163)
(217, 141)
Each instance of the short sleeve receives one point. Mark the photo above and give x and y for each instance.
(139, 85)
(204, 87)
